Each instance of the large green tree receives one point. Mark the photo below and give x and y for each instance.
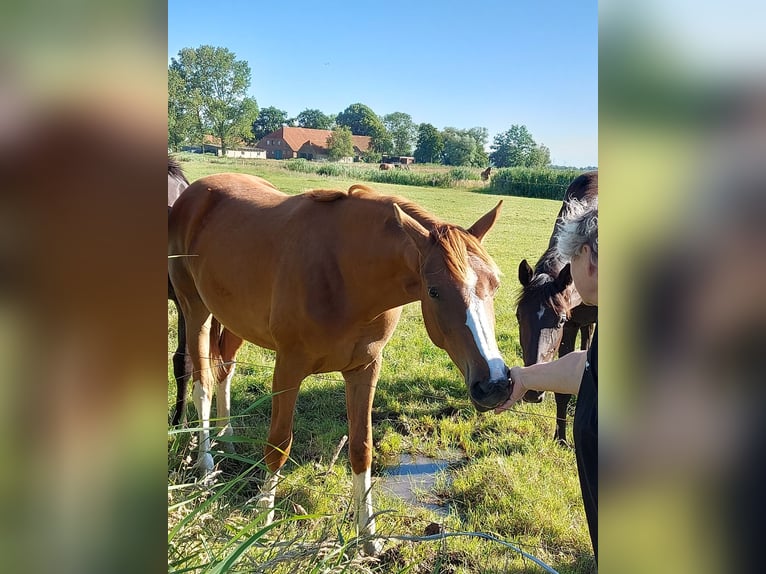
(340, 144)
(360, 119)
(430, 145)
(269, 120)
(315, 119)
(539, 157)
(464, 147)
(517, 148)
(215, 87)
(182, 120)
(402, 131)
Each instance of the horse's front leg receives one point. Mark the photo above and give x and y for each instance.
(289, 372)
(360, 391)
(566, 346)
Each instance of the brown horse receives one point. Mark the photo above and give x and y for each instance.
(385, 166)
(549, 309)
(486, 173)
(321, 278)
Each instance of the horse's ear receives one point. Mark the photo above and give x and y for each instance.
(565, 277)
(480, 228)
(525, 273)
(417, 232)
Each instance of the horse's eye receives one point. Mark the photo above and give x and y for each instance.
(433, 292)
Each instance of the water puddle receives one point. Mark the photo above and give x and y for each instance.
(412, 476)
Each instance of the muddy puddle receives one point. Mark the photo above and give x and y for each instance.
(413, 478)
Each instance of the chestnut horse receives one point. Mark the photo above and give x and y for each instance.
(486, 173)
(321, 278)
(549, 309)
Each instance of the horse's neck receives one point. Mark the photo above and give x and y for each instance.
(549, 263)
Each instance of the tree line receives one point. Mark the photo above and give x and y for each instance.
(207, 95)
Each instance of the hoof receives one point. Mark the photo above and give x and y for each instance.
(226, 447)
(372, 547)
(205, 464)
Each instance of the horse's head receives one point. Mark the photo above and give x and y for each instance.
(458, 285)
(541, 311)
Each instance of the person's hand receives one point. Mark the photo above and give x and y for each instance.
(517, 390)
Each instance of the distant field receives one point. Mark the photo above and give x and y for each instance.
(507, 478)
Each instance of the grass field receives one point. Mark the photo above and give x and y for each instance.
(506, 478)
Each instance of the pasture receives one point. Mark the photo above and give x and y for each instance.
(505, 476)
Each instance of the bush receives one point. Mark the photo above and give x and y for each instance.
(541, 183)
(462, 174)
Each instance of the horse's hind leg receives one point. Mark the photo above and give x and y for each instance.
(227, 345)
(360, 391)
(198, 320)
(181, 368)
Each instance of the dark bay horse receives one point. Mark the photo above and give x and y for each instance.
(177, 183)
(321, 278)
(549, 309)
(486, 173)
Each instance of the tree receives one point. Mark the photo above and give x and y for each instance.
(480, 135)
(516, 147)
(361, 120)
(182, 122)
(314, 119)
(269, 120)
(464, 147)
(458, 147)
(340, 144)
(430, 145)
(215, 87)
(539, 157)
(402, 132)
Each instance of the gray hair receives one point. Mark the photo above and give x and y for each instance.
(578, 227)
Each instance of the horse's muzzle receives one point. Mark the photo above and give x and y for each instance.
(489, 394)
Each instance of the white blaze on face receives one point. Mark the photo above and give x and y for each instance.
(483, 329)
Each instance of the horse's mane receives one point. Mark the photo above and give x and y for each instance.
(455, 241)
(542, 287)
(175, 171)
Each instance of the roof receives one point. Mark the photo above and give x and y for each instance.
(297, 137)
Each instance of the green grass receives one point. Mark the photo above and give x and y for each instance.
(511, 481)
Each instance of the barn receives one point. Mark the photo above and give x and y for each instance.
(289, 142)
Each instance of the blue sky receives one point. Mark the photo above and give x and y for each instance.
(481, 63)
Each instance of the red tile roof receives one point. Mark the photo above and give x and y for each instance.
(296, 137)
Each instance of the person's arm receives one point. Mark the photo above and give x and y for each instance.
(560, 376)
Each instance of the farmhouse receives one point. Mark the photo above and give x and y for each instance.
(212, 144)
(287, 142)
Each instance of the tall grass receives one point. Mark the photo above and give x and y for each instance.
(532, 182)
